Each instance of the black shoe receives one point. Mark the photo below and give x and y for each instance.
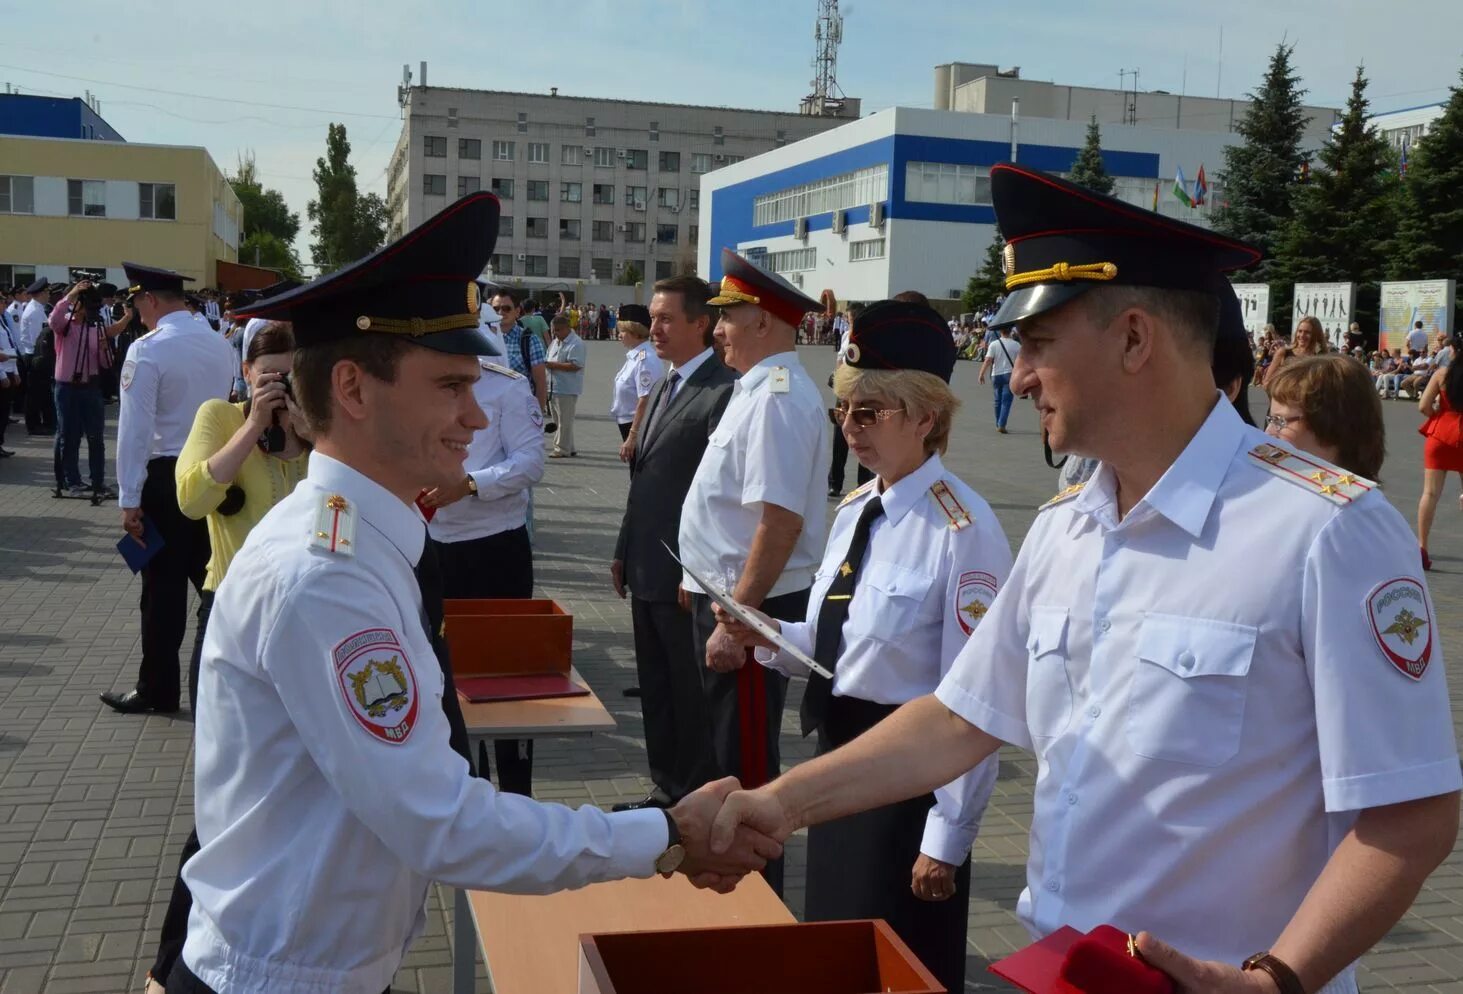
(653, 800)
(103, 492)
(5, 453)
(133, 703)
(631, 691)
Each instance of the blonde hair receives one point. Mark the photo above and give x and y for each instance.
(634, 329)
(920, 393)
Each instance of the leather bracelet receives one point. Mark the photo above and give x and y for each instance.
(1284, 977)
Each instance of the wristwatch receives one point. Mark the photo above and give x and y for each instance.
(472, 485)
(1284, 977)
(675, 853)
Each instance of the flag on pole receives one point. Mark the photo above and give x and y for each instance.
(1402, 166)
(1181, 189)
(1201, 187)
(1156, 185)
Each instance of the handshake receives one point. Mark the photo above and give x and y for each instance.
(728, 832)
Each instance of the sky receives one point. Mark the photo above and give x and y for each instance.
(196, 73)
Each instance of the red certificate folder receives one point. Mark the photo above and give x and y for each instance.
(1068, 962)
(478, 689)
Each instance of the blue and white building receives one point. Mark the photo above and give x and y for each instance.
(900, 200)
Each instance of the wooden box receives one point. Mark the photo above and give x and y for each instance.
(508, 637)
(853, 957)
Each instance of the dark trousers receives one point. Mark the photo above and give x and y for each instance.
(183, 560)
(624, 427)
(80, 409)
(40, 407)
(182, 981)
(672, 702)
(840, 459)
(499, 566)
(745, 706)
(861, 866)
(6, 400)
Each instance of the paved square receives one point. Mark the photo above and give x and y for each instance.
(94, 806)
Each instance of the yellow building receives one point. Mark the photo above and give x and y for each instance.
(72, 204)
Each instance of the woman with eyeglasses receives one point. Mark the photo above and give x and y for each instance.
(1442, 404)
(1325, 405)
(914, 559)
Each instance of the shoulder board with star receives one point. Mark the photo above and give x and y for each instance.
(638, 354)
(948, 503)
(493, 367)
(1063, 495)
(855, 494)
(1310, 473)
(335, 526)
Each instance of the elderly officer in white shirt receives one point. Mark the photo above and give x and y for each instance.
(754, 518)
(1243, 731)
(169, 374)
(327, 791)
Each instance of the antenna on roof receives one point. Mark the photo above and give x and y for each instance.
(826, 100)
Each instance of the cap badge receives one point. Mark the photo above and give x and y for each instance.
(1008, 259)
(363, 323)
(852, 354)
(474, 299)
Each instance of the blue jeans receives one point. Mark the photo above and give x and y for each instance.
(1003, 397)
(79, 408)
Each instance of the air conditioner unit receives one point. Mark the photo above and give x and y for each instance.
(720, 158)
(800, 228)
(589, 150)
(797, 279)
(639, 205)
(624, 228)
(619, 153)
(876, 215)
(522, 257)
(840, 222)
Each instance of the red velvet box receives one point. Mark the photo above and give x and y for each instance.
(1068, 962)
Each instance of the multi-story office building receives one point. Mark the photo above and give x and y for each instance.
(73, 204)
(589, 187)
(1405, 128)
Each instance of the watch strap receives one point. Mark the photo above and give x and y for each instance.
(472, 485)
(1284, 977)
(673, 837)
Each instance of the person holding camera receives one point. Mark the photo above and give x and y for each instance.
(82, 334)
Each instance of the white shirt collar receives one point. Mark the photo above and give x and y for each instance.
(760, 372)
(688, 369)
(902, 496)
(399, 522)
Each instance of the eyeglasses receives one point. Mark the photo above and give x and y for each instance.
(1278, 423)
(864, 417)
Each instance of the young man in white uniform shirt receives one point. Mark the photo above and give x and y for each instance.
(1243, 732)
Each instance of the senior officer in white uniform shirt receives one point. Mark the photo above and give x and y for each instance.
(635, 379)
(1243, 730)
(755, 515)
(914, 560)
(169, 374)
(327, 791)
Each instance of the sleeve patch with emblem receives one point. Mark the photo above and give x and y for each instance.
(129, 369)
(1402, 624)
(973, 596)
(378, 683)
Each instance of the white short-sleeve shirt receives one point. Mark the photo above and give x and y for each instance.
(634, 379)
(772, 446)
(1213, 687)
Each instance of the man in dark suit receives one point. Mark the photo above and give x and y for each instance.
(684, 410)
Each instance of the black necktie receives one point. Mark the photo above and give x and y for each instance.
(832, 615)
(429, 582)
(662, 402)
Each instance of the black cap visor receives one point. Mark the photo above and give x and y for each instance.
(1030, 301)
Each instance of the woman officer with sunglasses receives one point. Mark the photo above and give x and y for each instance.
(914, 558)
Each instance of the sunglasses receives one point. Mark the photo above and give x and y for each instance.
(864, 417)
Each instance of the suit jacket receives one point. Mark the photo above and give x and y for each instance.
(660, 478)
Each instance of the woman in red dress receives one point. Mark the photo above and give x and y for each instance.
(1442, 453)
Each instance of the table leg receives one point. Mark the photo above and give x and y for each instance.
(464, 944)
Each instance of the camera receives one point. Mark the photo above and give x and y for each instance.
(274, 435)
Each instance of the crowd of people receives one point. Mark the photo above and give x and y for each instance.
(326, 464)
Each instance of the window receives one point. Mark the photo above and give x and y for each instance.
(700, 162)
(434, 183)
(695, 235)
(603, 231)
(436, 146)
(569, 229)
(793, 261)
(17, 196)
(667, 234)
(601, 268)
(571, 155)
(637, 265)
(569, 267)
(469, 148)
(670, 162)
(604, 157)
(538, 227)
(522, 122)
(538, 189)
(604, 193)
(655, 131)
(637, 158)
(635, 231)
(872, 248)
(836, 193)
(781, 138)
(732, 160)
(451, 117)
(589, 127)
(571, 193)
(503, 151)
(468, 184)
(505, 225)
(718, 137)
(86, 197)
(538, 151)
(947, 183)
(158, 201)
(17, 275)
(536, 265)
(635, 197)
(664, 270)
(502, 264)
(693, 199)
(669, 197)
(503, 188)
